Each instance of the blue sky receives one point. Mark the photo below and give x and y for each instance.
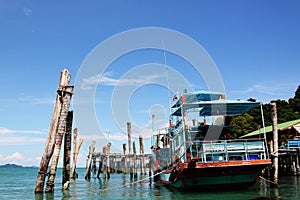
(254, 44)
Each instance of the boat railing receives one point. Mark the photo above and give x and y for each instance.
(228, 150)
(293, 144)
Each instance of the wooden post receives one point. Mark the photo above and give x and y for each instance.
(73, 173)
(194, 122)
(66, 94)
(125, 160)
(108, 160)
(67, 151)
(294, 169)
(94, 165)
(65, 78)
(143, 170)
(134, 160)
(76, 151)
(297, 161)
(104, 162)
(275, 141)
(88, 166)
(150, 171)
(129, 146)
(100, 166)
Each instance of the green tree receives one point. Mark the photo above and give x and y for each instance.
(250, 121)
(295, 102)
(284, 111)
(242, 124)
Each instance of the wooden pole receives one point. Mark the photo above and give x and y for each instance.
(125, 160)
(100, 167)
(134, 160)
(67, 151)
(74, 174)
(275, 141)
(108, 160)
(88, 166)
(104, 162)
(129, 146)
(65, 77)
(66, 99)
(143, 170)
(94, 166)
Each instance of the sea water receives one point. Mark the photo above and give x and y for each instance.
(19, 183)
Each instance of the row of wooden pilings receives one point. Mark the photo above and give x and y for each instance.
(60, 128)
(284, 161)
(289, 162)
(118, 162)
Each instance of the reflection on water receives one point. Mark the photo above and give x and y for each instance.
(20, 184)
(120, 186)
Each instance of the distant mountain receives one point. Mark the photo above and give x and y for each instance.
(14, 166)
(11, 166)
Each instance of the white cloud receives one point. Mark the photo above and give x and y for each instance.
(105, 79)
(117, 136)
(11, 131)
(14, 156)
(35, 100)
(10, 137)
(265, 92)
(18, 158)
(28, 100)
(16, 140)
(27, 11)
(269, 89)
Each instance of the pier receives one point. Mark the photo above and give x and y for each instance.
(107, 163)
(118, 162)
(288, 162)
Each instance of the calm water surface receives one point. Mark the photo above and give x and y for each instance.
(20, 184)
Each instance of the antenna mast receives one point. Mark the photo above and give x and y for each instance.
(167, 75)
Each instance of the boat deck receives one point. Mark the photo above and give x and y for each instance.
(214, 151)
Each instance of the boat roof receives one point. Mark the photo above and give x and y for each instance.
(198, 96)
(217, 107)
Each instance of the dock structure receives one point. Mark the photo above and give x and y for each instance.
(118, 162)
(289, 161)
(109, 162)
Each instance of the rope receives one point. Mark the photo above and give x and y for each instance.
(268, 180)
(132, 183)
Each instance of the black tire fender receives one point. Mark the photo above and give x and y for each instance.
(173, 176)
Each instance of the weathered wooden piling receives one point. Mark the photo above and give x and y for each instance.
(88, 165)
(142, 162)
(73, 173)
(125, 160)
(94, 165)
(67, 151)
(275, 141)
(130, 152)
(65, 78)
(100, 167)
(66, 99)
(134, 160)
(150, 170)
(108, 160)
(75, 155)
(104, 162)
(288, 162)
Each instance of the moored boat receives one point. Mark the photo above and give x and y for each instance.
(196, 151)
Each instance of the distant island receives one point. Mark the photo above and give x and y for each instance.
(14, 166)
